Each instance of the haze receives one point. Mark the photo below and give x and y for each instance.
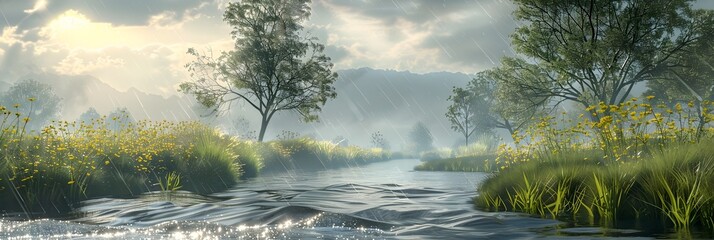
(397, 60)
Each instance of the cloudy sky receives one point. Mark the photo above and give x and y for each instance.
(142, 44)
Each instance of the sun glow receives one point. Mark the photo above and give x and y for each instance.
(69, 20)
(75, 30)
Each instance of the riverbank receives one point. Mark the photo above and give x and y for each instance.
(49, 172)
(672, 189)
(384, 200)
(640, 166)
(474, 163)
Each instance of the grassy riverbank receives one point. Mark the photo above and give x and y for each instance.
(639, 165)
(479, 156)
(49, 171)
(474, 163)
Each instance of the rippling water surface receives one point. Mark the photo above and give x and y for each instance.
(378, 201)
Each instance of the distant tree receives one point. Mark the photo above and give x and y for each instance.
(45, 105)
(378, 141)
(89, 116)
(462, 112)
(119, 119)
(272, 68)
(482, 107)
(594, 51)
(421, 138)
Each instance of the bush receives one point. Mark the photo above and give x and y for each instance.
(248, 158)
(210, 168)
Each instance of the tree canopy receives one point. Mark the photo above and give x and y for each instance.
(272, 67)
(591, 51)
(462, 112)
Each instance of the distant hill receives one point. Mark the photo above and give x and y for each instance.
(79, 93)
(368, 100)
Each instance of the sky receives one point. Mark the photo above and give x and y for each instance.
(142, 44)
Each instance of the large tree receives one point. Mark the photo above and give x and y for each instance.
(688, 78)
(591, 51)
(272, 68)
(45, 104)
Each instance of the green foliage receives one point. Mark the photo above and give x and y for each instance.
(249, 158)
(688, 80)
(477, 157)
(463, 112)
(596, 50)
(52, 170)
(272, 68)
(672, 187)
(171, 183)
(528, 197)
(210, 167)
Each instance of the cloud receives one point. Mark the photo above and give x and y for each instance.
(419, 35)
(29, 14)
(149, 69)
(149, 57)
(39, 6)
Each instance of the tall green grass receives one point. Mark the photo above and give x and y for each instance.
(479, 156)
(476, 163)
(307, 153)
(51, 171)
(672, 188)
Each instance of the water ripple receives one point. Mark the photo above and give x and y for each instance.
(374, 202)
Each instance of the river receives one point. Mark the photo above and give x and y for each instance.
(384, 200)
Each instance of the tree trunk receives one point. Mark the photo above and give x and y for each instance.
(466, 131)
(263, 126)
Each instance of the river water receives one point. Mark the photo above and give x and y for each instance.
(384, 200)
